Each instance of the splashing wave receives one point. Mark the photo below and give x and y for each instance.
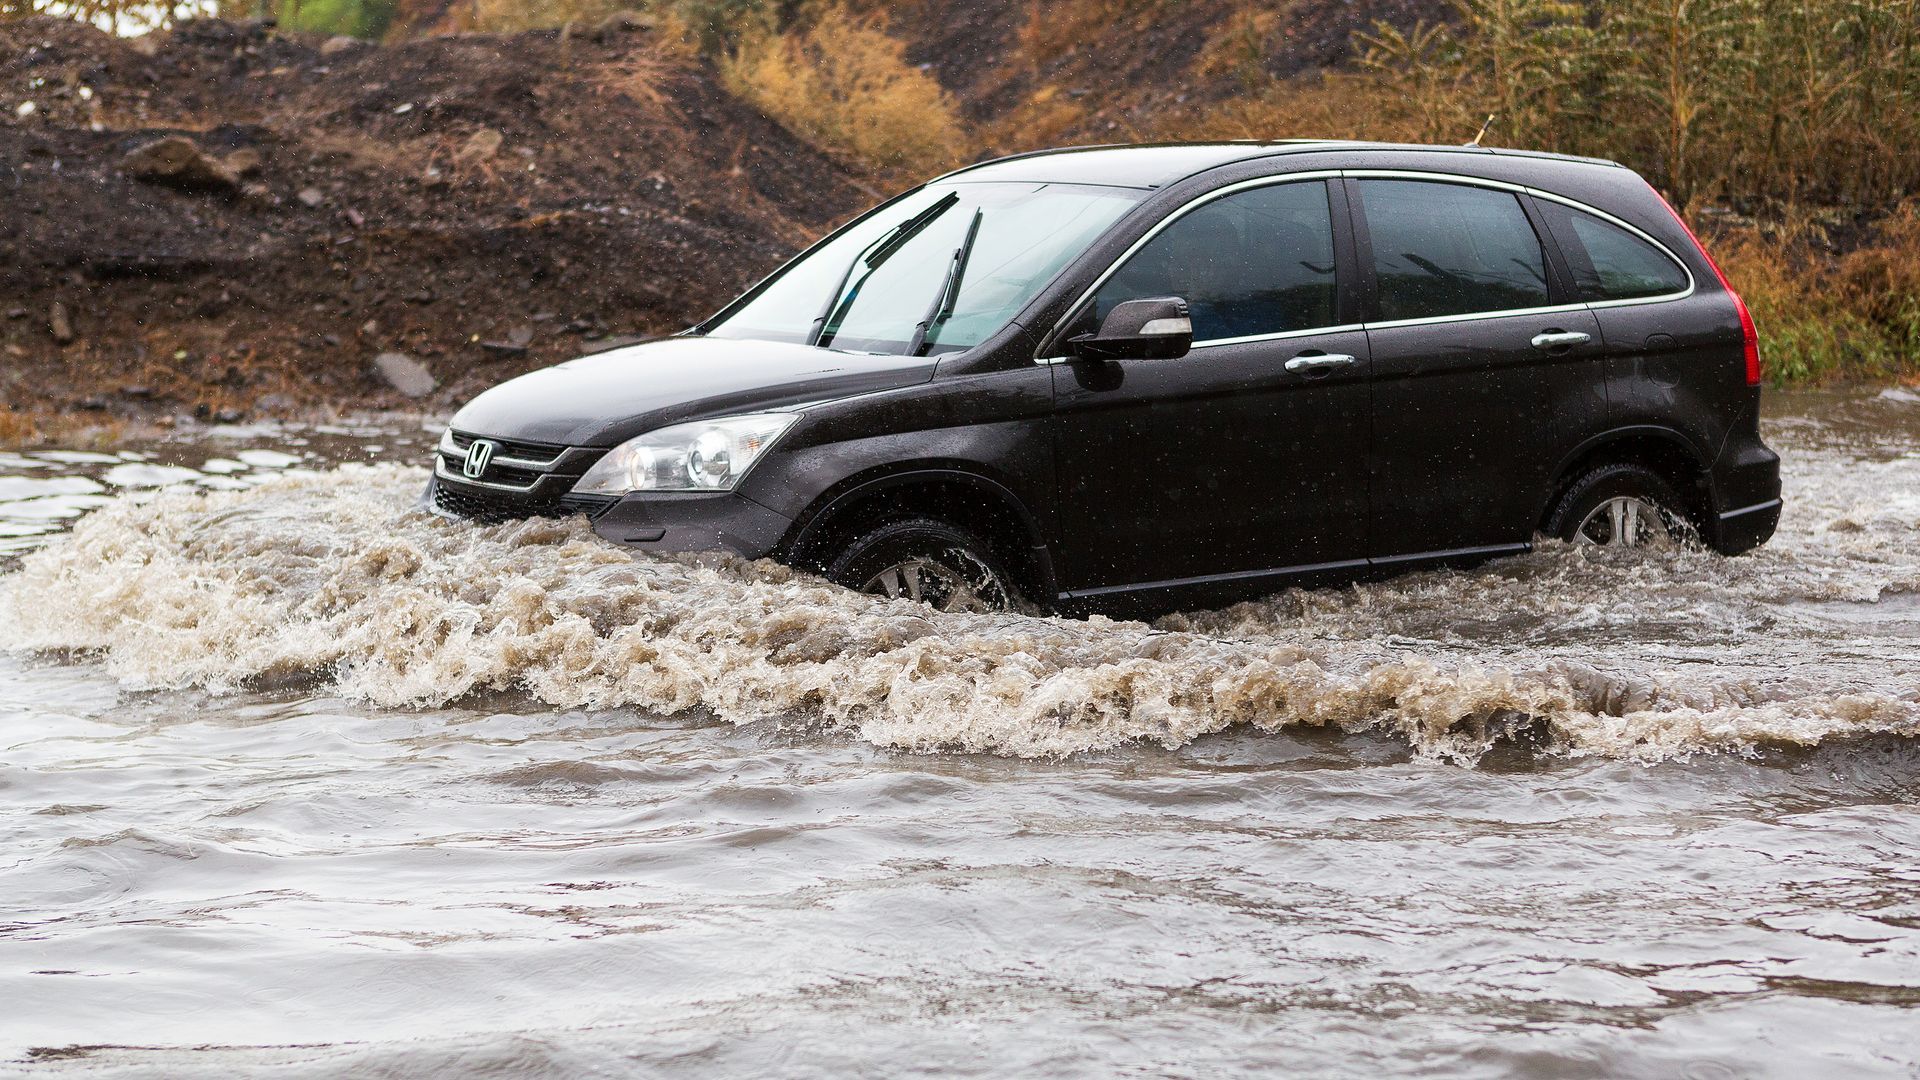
(1580, 652)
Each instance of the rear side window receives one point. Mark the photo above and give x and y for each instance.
(1450, 249)
(1253, 263)
(1608, 262)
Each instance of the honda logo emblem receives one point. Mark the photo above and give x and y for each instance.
(479, 456)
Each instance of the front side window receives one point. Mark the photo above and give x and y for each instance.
(1248, 264)
(1450, 249)
(938, 271)
(1608, 262)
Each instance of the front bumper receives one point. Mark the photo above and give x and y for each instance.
(663, 523)
(693, 522)
(528, 480)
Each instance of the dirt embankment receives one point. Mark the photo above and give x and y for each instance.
(482, 204)
(1103, 70)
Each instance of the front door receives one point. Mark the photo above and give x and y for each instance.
(1246, 456)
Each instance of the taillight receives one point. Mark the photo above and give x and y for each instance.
(1749, 334)
(1752, 334)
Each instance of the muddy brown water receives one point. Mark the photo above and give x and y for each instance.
(297, 781)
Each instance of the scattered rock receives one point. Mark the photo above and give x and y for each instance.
(521, 336)
(370, 327)
(229, 416)
(153, 264)
(355, 218)
(481, 146)
(504, 348)
(311, 198)
(147, 45)
(178, 162)
(60, 323)
(621, 22)
(405, 374)
(243, 162)
(17, 313)
(338, 44)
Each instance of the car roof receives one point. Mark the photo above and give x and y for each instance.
(1153, 165)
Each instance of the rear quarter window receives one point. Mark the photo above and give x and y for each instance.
(1609, 262)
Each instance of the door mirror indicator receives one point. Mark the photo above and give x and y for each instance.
(1156, 329)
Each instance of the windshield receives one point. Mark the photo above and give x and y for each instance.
(938, 271)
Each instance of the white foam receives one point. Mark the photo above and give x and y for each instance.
(337, 573)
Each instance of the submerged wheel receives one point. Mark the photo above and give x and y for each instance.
(1622, 506)
(929, 561)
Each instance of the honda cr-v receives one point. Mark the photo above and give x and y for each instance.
(1161, 376)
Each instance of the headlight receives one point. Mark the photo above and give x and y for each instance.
(708, 455)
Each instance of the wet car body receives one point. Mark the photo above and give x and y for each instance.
(1358, 445)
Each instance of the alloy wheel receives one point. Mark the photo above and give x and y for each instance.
(1630, 522)
(952, 580)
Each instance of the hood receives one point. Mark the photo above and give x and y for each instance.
(606, 399)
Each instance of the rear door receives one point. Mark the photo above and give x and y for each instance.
(1471, 330)
(1628, 279)
(1247, 455)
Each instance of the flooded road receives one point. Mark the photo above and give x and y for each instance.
(296, 780)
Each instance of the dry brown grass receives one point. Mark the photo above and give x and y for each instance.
(1045, 119)
(73, 431)
(1053, 28)
(1325, 106)
(1238, 45)
(514, 16)
(1823, 318)
(844, 84)
(16, 429)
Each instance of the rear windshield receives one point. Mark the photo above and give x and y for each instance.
(938, 271)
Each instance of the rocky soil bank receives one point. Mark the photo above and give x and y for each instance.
(226, 221)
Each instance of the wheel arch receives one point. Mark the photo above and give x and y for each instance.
(954, 492)
(1662, 449)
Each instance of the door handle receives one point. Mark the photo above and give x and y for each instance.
(1560, 339)
(1316, 363)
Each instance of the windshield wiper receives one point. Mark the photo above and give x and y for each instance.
(873, 256)
(949, 294)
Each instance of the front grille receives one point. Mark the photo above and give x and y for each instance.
(523, 479)
(491, 507)
(544, 453)
(482, 505)
(507, 475)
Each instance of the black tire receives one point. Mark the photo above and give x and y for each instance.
(929, 561)
(1591, 510)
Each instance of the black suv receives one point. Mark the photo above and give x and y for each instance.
(1159, 376)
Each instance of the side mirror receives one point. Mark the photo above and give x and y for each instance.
(1156, 329)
